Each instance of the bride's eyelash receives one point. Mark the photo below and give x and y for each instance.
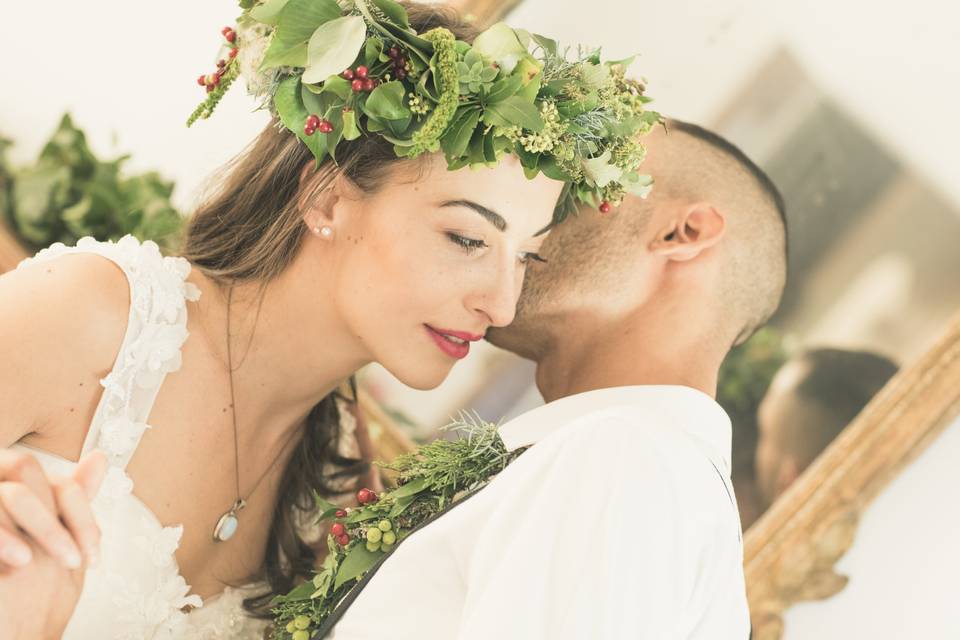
(467, 244)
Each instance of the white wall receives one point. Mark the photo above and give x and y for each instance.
(904, 563)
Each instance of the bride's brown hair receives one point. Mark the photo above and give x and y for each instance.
(250, 230)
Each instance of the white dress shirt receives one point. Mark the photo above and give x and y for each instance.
(619, 522)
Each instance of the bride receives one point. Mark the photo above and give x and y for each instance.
(209, 380)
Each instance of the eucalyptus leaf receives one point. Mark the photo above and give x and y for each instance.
(357, 562)
(333, 47)
(298, 21)
(500, 44)
(268, 12)
(514, 111)
(600, 170)
(386, 102)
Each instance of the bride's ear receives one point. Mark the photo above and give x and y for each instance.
(319, 209)
(694, 229)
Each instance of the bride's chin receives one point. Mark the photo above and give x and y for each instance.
(423, 377)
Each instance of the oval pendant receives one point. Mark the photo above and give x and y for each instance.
(228, 523)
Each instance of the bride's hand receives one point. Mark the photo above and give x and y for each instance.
(53, 514)
(38, 599)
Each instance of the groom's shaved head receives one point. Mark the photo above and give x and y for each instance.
(593, 259)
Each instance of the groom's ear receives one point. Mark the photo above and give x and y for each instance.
(689, 232)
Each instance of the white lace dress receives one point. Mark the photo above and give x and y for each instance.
(136, 592)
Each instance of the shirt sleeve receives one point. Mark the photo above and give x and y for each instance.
(612, 532)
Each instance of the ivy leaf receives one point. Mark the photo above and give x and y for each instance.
(455, 141)
(600, 171)
(269, 11)
(298, 20)
(394, 12)
(357, 562)
(386, 102)
(500, 44)
(339, 86)
(514, 111)
(333, 47)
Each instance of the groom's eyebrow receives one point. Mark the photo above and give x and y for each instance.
(492, 217)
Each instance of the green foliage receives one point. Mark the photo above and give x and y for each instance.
(68, 194)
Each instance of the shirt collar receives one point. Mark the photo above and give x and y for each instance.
(690, 409)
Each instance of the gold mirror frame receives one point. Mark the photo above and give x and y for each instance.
(790, 552)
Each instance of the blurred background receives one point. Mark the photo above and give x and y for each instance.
(849, 105)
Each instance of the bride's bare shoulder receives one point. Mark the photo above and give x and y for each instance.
(62, 322)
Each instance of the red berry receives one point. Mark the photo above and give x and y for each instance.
(364, 495)
(357, 85)
(202, 81)
(221, 63)
(213, 79)
(394, 52)
(313, 120)
(369, 84)
(347, 74)
(226, 30)
(231, 36)
(325, 126)
(361, 71)
(338, 529)
(340, 513)
(209, 88)
(401, 74)
(604, 207)
(344, 540)
(233, 52)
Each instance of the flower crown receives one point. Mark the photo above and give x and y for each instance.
(333, 71)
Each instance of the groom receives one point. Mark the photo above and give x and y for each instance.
(620, 520)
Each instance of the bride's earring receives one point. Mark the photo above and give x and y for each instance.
(324, 231)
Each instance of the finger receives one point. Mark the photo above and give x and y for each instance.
(90, 472)
(74, 508)
(39, 522)
(14, 551)
(18, 466)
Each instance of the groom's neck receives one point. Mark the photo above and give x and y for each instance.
(583, 361)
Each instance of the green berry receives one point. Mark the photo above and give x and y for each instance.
(373, 546)
(291, 627)
(301, 622)
(301, 634)
(384, 525)
(374, 535)
(386, 547)
(389, 538)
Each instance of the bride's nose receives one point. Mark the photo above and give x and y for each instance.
(495, 299)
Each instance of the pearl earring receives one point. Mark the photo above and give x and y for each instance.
(324, 231)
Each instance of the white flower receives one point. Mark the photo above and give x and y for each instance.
(156, 353)
(253, 39)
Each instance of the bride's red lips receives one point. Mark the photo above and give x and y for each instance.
(458, 350)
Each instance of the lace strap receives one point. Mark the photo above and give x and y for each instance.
(156, 330)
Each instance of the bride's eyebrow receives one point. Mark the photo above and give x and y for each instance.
(492, 217)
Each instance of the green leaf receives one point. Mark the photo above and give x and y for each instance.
(386, 102)
(503, 89)
(500, 44)
(322, 504)
(401, 505)
(454, 143)
(269, 11)
(350, 129)
(360, 515)
(339, 86)
(638, 184)
(549, 46)
(514, 111)
(394, 12)
(600, 170)
(298, 21)
(333, 47)
(549, 167)
(595, 75)
(301, 592)
(409, 489)
(357, 562)
(293, 114)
